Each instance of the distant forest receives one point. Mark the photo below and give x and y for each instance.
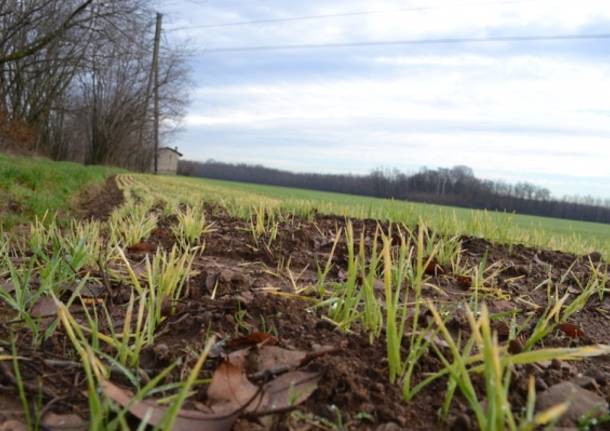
(455, 186)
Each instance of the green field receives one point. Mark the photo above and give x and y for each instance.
(99, 302)
(29, 187)
(566, 235)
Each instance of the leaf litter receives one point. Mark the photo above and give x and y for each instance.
(231, 394)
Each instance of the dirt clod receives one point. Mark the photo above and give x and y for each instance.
(582, 402)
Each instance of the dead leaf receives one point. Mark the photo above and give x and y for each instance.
(342, 275)
(288, 390)
(502, 329)
(463, 281)
(515, 346)
(230, 395)
(571, 330)
(434, 268)
(378, 286)
(270, 357)
(142, 247)
(89, 290)
(501, 306)
(44, 307)
(230, 388)
(11, 411)
(69, 422)
(13, 425)
(187, 420)
(140, 270)
(435, 339)
(7, 286)
(250, 340)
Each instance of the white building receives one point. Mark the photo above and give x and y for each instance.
(168, 160)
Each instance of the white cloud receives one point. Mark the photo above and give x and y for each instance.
(509, 116)
(522, 91)
(448, 17)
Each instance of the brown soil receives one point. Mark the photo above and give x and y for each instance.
(251, 286)
(97, 203)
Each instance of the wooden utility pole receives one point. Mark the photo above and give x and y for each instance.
(156, 75)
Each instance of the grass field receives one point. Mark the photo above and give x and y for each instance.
(168, 312)
(146, 311)
(30, 187)
(557, 234)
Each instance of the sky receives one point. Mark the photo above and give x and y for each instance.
(535, 111)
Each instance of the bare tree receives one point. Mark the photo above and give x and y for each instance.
(77, 74)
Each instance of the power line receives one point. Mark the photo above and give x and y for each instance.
(345, 14)
(442, 41)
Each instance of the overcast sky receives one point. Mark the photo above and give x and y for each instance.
(535, 111)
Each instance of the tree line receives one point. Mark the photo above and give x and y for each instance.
(455, 186)
(76, 80)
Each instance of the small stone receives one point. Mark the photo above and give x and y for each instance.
(582, 402)
(66, 422)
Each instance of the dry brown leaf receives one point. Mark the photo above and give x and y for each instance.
(89, 290)
(571, 330)
(7, 286)
(515, 346)
(142, 247)
(250, 340)
(288, 390)
(13, 425)
(463, 281)
(270, 357)
(187, 420)
(44, 307)
(230, 394)
(501, 306)
(230, 388)
(434, 268)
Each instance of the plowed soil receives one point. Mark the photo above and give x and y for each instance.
(240, 288)
(98, 203)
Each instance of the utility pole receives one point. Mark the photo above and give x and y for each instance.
(156, 76)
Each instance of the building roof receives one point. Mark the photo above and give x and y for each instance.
(175, 150)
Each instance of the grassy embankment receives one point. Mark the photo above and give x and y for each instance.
(29, 187)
